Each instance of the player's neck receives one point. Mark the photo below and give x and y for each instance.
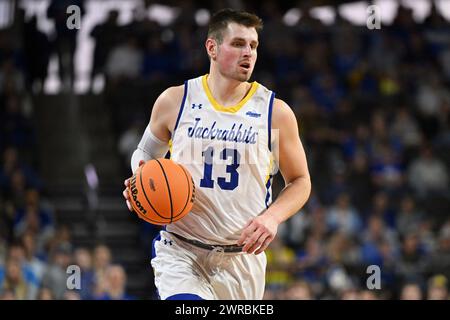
(227, 92)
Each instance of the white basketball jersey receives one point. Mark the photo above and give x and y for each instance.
(227, 150)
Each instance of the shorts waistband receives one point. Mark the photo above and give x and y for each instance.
(226, 248)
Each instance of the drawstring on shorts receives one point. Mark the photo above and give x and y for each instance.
(216, 258)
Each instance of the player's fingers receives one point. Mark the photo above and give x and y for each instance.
(248, 230)
(251, 241)
(141, 163)
(129, 205)
(127, 198)
(127, 183)
(265, 244)
(249, 222)
(257, 244)
(126, 194)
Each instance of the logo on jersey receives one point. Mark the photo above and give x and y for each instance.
(197, 106)
(237, 133)
(253, 114)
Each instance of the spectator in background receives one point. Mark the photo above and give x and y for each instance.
(11, 163)
(387, 171)
(36, 265)
(64, 42)
(37, 55)
(7, 295)
(379, 242)
(348, 292)
(156, 63)
(406, 128)
(357, 142)
(326, 91)
(280, 262)
(12, 81)
(413, 259)
(31, 220)
(34, 218)
(360, 183)
(411, 291)
(124, 62)
(409, 217)
(12, 278)
(439, 262)
(101, 262)
(312, 261)
(45, 294)
(17, 191)
(116, 284)
(428, 175)
(17, 129)
(431, 94)
(342, 217)
(83, 259)
(106, 36)
(437, 288)
(71, 295)
(381, 207)
(55, 277)
(299, 290)
(367, 295)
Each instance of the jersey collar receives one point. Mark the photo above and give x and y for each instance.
(231, 109)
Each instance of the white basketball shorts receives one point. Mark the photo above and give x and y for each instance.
(181, 268)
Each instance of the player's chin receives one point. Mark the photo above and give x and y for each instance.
(244, 75)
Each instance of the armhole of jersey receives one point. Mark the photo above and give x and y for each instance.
(269, 119)
(181, 108)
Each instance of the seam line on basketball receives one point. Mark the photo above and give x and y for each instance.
(189, 191)
(148, 200)
(168, 188)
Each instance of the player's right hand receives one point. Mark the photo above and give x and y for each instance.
(125, 192)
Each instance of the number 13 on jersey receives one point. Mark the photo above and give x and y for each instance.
(225, 183)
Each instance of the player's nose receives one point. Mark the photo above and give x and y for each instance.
(247, 51)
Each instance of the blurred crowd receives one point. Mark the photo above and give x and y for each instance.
(374, 116)
(35, 252)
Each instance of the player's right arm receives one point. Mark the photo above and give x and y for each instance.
(155, 140)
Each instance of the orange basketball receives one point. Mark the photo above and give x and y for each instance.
(161, 191)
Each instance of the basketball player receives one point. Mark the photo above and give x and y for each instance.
(217, 250)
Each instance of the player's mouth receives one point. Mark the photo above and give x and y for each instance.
(245, 65)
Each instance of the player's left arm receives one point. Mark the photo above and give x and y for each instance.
(259, 232)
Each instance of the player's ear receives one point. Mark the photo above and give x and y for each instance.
(211, 48)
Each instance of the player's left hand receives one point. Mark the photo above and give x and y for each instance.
(258, 234)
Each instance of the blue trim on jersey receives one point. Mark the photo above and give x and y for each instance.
(185, 296)
(268, 195)
(157, 238)
(181, 108)
(272, 96)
